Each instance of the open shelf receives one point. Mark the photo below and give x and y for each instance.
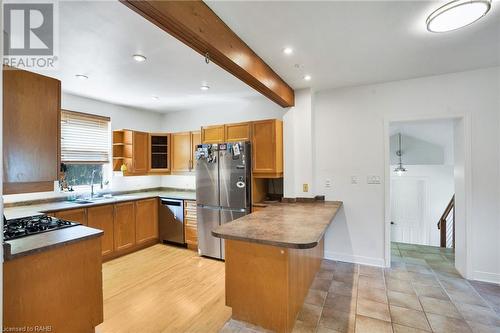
(122, 148)
(159, 150)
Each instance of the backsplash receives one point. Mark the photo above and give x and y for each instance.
(179, 181)
(118, 183)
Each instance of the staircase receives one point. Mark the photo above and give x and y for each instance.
(446, 225)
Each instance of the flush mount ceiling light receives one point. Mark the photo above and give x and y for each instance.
(307, 77)
(457, 14)
(155, 98)
(139, 57)
(287, 50)
(204, 87)
(81, 76)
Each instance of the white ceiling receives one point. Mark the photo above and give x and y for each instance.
(98, 38)
(340, 43)
(349, 43)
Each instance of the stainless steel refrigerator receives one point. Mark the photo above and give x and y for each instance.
(223, 184)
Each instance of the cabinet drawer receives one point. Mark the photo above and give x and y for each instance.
(190, 214)
(191, 222)
(190, 210)
(191, 235)
(190, 205)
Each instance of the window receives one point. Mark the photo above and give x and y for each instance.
(85, 147)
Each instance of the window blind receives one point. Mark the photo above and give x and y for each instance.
(85, 138)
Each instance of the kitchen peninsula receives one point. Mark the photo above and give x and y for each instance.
(271, 258)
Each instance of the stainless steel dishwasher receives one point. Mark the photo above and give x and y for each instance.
(171, 221)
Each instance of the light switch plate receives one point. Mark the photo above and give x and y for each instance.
(328, 183)
(305, 187)
(354, 180)
(373, 180)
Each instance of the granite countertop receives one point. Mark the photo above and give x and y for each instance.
(47, 240)
(292, 225)
(40, 208)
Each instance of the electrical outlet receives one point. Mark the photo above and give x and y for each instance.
(328, 183)
(373, 180)
(305, 187)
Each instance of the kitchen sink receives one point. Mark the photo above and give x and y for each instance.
(82, 202)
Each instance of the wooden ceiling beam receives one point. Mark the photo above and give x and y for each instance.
(197, 26)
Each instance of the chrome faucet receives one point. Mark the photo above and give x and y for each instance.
(92, 184)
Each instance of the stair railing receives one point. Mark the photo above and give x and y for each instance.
(446, 225)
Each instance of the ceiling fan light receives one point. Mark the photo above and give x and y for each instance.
(457, 14)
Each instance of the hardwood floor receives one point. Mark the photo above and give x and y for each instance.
(163, 289)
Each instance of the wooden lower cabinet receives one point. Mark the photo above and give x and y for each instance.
(266, 285)
(73, 215)
(128, 226)
(124, 226)
(102, 217)
(60, 289)
(190, 224)
(146, 220)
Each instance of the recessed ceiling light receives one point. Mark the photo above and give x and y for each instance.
(287, 50)
(81, 76)
(204, 87)
(457, 14)
(139, 57)
(155, 98)
(307, 77)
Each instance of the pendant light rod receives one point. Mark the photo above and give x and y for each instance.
(400, 169)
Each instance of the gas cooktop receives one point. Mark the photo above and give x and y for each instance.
(26, 226)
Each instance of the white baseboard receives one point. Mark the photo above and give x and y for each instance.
(486, 277)
(369, 261)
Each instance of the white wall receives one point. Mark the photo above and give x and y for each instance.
(121, 117)
(245, 110)
(460, 202)
(440, 188)
(349, 135)
(298, 140)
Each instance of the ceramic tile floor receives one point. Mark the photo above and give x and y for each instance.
(421, 292)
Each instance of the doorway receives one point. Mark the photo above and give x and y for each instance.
(409, 211)
(425, 169)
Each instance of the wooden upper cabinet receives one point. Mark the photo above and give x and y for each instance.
(212, 134)
(102, 217)
(140, 154)
(132, 149)
(181, 152)
(124, 225)
(238, 132)
(74, 215)
(146, 220)
(267, 148)
(195, 141)
(31, 131)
